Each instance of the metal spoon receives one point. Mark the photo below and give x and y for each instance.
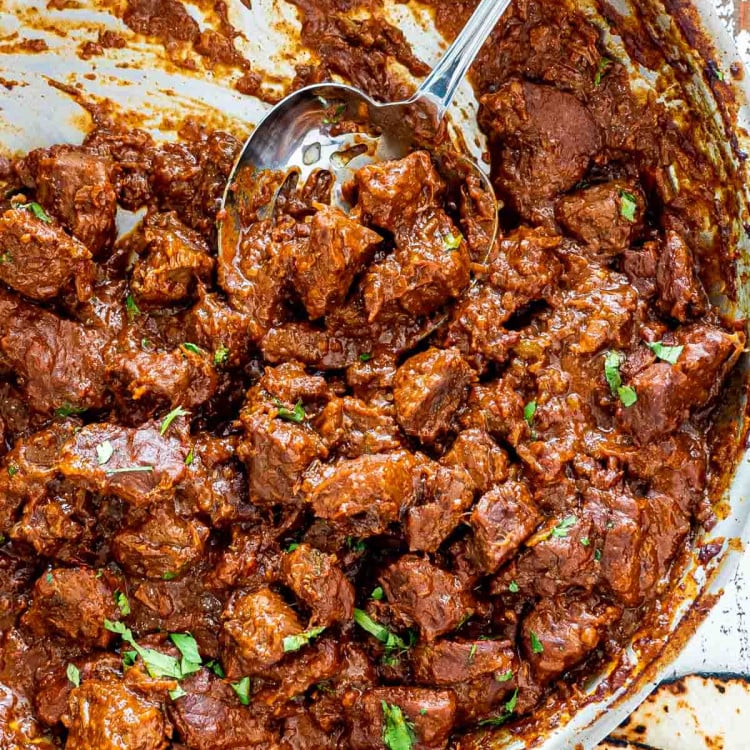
(299, 134)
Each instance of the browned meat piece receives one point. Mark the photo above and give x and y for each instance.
(502, 519)
(605, 217)
(680, 291)
(74, 185)
(210, 717)
(175, 260)
(73, 603)
(451, 662)
(253, 632)
(497, 408)
(317, 580)
(141, 465)
(352, 428)
(300, 341)
(544, 140)
(428, 390)
(394, 192)
(362, 496)
(446, 494)
(430, 266)
(164, 544)
(302, 732)
(180, 377)
(59, 363)
(430, 712)
(19, 728)
(667, 393)
(478, 454)
(339, 249)
(290, 383)
(38, 259)
(423, 594)
(277, 453)
(106, 715)
(560, 632)
(640, 266)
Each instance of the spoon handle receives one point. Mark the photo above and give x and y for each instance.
(441, 84)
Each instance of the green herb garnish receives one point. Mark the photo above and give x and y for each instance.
(221, 355)
(190, 456)
(528, 413)
(104, 452)
(508, 711)
(12, 470)
(601, 70)
(536, 644)
(73, 674)
(242, 688)
(452, 241)
(122, 603)
(377, 593)
(131, 307)
(157, 664)
(296, 642)
(366, 357)
(194, 348)
(398, 733)
(504, 676)
(513, 587)
(667, 353)
(561, 529)
(67, 410)
(390, 640)
(628, 205)
(37, 210)
(612, 362)
(296, 415)
(177, 412)
(169, 576)
(178, 692)
(597, 555)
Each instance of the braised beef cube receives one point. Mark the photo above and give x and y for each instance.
(60, 363)
(277, 453)
(478, 454)
(251, 559)
(19, 728)
(680, 291)
(353, 428)
(16, 577)
(179, 377)
(108, 716)
(559, 633)
(73, 603)
(38, 259)
(164, 544)
(428, 390)
(393, 192)
(339, 249)
(452, 662)
(430, 266)
(362, 496)
(74, 185)
(607, 218)
(497, 407)
(421, 593)
(253, 632)
(447, 493)
(211, 717)
(545, 140)
(668, 526)
(321, 349)
(139, 465)
(176, 259)
(502, 519)
(640, 266)
(289, 383)
(666, 393)
(317, 580)
(302, 732)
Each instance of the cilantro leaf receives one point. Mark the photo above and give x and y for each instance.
(508, 711)
(187, 646)
(104, 452)
(73, 674)
(37, 210)
(221, 355)
(132, 308)
(452, 241)
(242, 688)
(193, 348)
(504, 676)
(627, 395)
(601, 70)
(177, 412)
(528, 413)
(398, 733)
(296, 642)
(377, 593)
(513, 587)
(122, 603)
(366, 357)
(67, 410)
(612, 362)
(215, 667)
(667, 353)
(536, 644)
(628, 205)
(561, 529)
(296, 415)
(157, 664)
(178, 692)
(190, 456)
(390, 640)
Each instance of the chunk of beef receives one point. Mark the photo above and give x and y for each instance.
(277, 453)
(446, 493)
(353, 428)
(362, 496)
(607, 218)
(106, 715)
(164, 544)
(72, 603)
(19, 729)
(74, 185)
(38, 259)
(640, 266)
(423, 594)
(180, 377)
(142, 466)
(303, 732)
(428, 390)
(430, 712)
(543, 141)
(430, 266)
(210, 717)
(560, 632)
(667, 393)
(253, 631)
(322, 349)
(681, 294)
(502, 519)
(289, 383)
(317, 580)
(392, 193)
(496, 408)
(59, 363)
(338, 250)
(175, 260)
(478, 454)
(451, 662)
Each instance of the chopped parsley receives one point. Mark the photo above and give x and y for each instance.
(169, 576)
(628, 205)
(221, 355)
(12, 470)
(585, 541)
(513, 587)
(296, 415)
(452, 241)
(296, 642)
(178, 692)
(187, 646)
(561, 529)
(508, 711)
(104, 452)
(612, 362)
(67, 410)
(472, 654)
(122, 603)
(190, 456)
(528, 413)
(242, 688)
(377, 593)
(597, 555)
(129, 469)
(604, 64)
(667, 353)
(398, 733)
(336, 116)
(157, 663)
(145, 343)
(131, 307)
(49, 577)
(128, 658)
(37, 210)
(73, 674)
(536, 644)
(293, 546)
(193, 348)
(504, 676)
(215, 667)
(627, 395)
(177, 412)
(391, 641)
(366, 357)
(356, 545)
